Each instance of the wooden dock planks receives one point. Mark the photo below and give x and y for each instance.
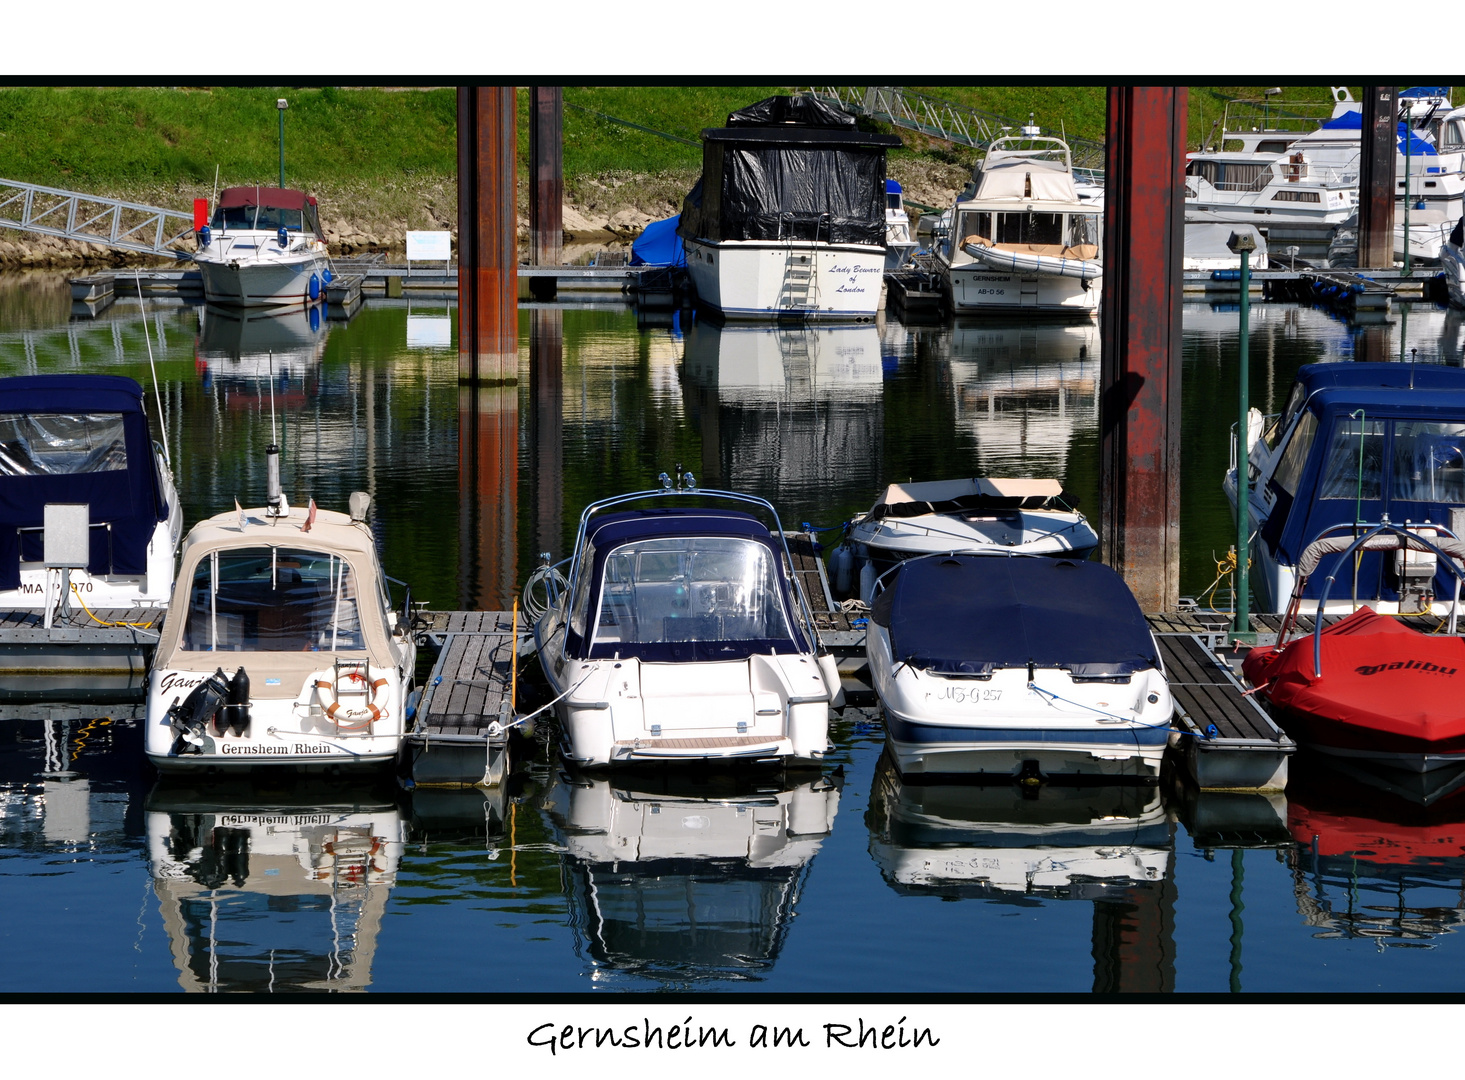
(470, 683)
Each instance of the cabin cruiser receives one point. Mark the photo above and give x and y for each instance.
(1070, 842)
(264, 893)
(681, 635)
(979, 516)
(720, 859)
(1023, 240)
(788, 219)
(1452, 264)
(900, 245)
(69, 441)
(280, 646)
(263, 246)
(1357, 445)
(1017, 666)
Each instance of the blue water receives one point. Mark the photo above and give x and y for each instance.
(829, 882)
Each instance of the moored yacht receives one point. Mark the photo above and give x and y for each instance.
(1023, 240)
(263, 246)
(900, 245)
(683, 636)
(788, 219)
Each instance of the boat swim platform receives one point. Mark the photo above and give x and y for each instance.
(460, 737)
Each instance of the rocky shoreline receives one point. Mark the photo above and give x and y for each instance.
(599, 212)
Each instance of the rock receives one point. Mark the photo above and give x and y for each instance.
(578, 224)
(627, 222)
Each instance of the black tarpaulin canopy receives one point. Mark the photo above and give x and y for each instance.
(790, 167)
(972, 614)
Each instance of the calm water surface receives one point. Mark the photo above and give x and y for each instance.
(842, 882)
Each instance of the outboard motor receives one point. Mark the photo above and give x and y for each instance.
(190, 717)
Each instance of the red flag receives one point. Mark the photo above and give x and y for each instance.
(310, 517)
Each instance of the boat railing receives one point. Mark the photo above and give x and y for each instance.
(1399, 536)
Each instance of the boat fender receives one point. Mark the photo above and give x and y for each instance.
(235, 712)
(315, 286)
(326, 690)
(204, 236)
(327, 276)
(315, 320)
(283, 237)
(841, 567)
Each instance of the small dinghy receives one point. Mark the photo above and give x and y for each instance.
(1370, 687)
(682, 636)
(1072, 265)
(1017, 667)
(977, 516)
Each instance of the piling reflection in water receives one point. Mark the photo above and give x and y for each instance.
(679, 879)
(488, 496)
(272, 894)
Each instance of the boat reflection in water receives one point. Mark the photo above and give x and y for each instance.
(792, 412)
(1370, 864)
(244, 350)
(270, 894)
(1073, 842)
(688, 878)
(1026, 393)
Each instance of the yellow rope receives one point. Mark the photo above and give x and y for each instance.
(83, 733)
(104, 622)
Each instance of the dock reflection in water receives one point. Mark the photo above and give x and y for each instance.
(677, 879)
(272, 894)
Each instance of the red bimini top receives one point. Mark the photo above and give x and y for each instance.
(280, 198)
(1378, 675)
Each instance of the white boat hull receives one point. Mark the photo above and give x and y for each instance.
(768, 279)
(1452, 261)
(246, 282)
(939, 725)
(975, 287)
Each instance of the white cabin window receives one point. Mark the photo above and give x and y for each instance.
(1349, 473)
(268, 599)
(975, 223)
(1429, 462)
(1030, 227)
(1289, 469)
(61, 444)
(1288, 195)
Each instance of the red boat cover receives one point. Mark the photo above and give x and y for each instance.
(279, 198)
(1378, 675)
(1373, 840)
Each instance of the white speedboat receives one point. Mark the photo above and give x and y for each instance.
(979, 516)
(682, 636)
(1452, 263)
(900, 245)
(280, 647)
(263, 246)
(1019, 666)
(788, 219)
(84, 440)
(1024, 240)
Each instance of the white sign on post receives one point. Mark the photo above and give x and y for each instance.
(428, 247)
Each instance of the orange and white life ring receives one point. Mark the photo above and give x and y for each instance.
(326, 690)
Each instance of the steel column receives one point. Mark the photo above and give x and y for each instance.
(1377, 145)
(547, 428)
(546, 181)
(1144, 231)
(488, 496)
(488, 261)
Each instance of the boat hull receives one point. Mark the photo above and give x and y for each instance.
(766, 279)
(1452, 261)
(976, 288)
(261, 283)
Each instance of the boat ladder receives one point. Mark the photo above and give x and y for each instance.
(800, 290)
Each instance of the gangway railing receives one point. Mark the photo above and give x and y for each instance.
(93, 219)
(947, 120)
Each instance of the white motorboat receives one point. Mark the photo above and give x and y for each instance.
(1207, 247)
(682, 636)
(280, 647)
(900, 245)
(788, 219)
(1024, 240)
(977, 516)
(263, 246)
(1018, 666)
(84, 440)
(1452, 264)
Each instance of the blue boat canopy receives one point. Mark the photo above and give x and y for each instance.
(680, 584)
(659, 244)
(77, 439)
(972, 614)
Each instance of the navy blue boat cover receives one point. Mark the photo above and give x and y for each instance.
(659, 244)
(132, 507)
(972, 614)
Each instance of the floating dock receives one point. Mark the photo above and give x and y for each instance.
(102, 657)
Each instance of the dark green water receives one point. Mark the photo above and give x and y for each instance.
(763, 885)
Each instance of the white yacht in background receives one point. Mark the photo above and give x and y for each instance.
(263, 246)
(788, 219)
(1024, 241)
(900, 245)
(1452, 263)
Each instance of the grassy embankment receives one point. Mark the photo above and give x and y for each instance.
(385, 161)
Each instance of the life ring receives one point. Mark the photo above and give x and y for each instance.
(326, 691)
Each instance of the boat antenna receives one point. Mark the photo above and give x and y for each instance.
(157, 394)
(1413, 358)
(214, 203)
(275, 500)
(273, 439)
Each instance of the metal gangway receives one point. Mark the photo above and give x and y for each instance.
(75, 215)
(948, 121)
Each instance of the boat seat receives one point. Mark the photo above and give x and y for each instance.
(1058, 251)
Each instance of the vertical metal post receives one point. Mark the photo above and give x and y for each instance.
(1408, 156)
(546, 183)
(1377, 145)
(488, 262)
(546, 432)
(1144, 233)
(281, 105)
(1241, 629)
(488, 489)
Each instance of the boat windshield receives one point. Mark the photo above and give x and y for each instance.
(677, 589)
(273, 599)
(1425, 460)
(1031, 229)
(61, 444)
(270, 218)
